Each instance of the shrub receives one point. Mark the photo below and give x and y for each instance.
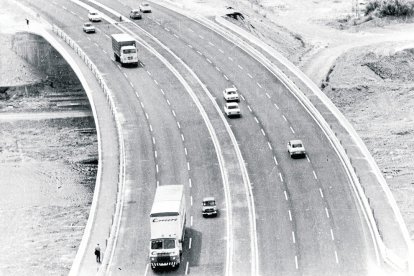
(398, 8)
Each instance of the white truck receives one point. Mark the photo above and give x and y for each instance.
(125, 49)
(167, 221)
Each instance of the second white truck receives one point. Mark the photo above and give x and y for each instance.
(125, 49)
(167, 221)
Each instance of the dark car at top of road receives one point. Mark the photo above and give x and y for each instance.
(135, 14)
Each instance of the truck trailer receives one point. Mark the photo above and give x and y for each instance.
(125, 49)
(167, 221)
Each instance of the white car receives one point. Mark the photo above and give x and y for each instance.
(145, 7)
(230, 94)
(231, 109)
(94, 16)
(88, 27)
(296, 148)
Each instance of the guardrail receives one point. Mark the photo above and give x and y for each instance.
(76, 266)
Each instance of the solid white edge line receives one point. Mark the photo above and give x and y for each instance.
(189, 243)
(332, 235)
(186, 269)
(290, 215)
(286, 196)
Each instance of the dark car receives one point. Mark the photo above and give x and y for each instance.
(135, 14)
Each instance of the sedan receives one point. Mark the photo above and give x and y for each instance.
(232, 109)
(145, 7)
(296, 148)
(230, 94)
(135, 14)
(88, 27)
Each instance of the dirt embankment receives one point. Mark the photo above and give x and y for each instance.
(47, 166)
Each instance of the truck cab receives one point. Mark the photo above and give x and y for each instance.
(129, 55)
(209, 207)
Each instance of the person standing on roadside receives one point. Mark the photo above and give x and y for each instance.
(27, 22)
(98, 253)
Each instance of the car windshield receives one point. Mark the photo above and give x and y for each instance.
(169, 244)
(156, 244)
(296, 145)
(88, 24)
(209, 203)
(232, 107)
(130, 51)
(94, 13)
(231, 92)
(145, 4)
(163, 244)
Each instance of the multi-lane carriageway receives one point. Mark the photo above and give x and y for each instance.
(279, 216)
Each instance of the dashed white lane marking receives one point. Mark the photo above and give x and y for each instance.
(104, 51)
(173, 113)
(191, 46)
(168, 102)
(212, 44)
(176, 36)
(107, 36)
(284, 118)
(268, 95)
(225, 77)
(132, 85)
(158, 183)
(200, 36)
(327, 212)
(119, 67)
(54, 2)
(270, 146)
(188, 166)
(218, 69)
(281, 179)
(200, 53)
(152, 131)
(308, 158)
(159, 23)
(178, 124)
(296, 262)
(96, 44)
(208, 60)
(185, 150)
(258, 84)
(182, 137)
(191, 220)
(290, 216)
(126, 76)
(286, 196)
(238, 65)
(189, 243)
(155, 154)
(89, 38)
(264, 134)
(142, 104)
(314, 175)
(276, 106)
(186, 269)
(156, 82)
(146, 270)
(156, 167)
(153, 140)
(162, 91)
(320, 191)
(167, 29)
(250, 76)
(190, 30)
(190, 182)
(249, 108)
(146, 115)
(255, 118)
(149, 73)
(336, 257)
(332, 235)
(293, 237)
(242, 97)
(274, 158)
(191, 200)
(291, 129)
(221, 51)
(74, 13)
(63, 7)
(230, 58)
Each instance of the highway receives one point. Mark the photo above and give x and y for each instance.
(304, 218)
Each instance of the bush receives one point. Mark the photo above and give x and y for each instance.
(398, 8)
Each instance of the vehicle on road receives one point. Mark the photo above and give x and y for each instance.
(167, 222)
(125, 49)
(296, 148)
(230, 94)
(88, 27)
(232, 109)
(135, 14)
(145, 7)
(209, 207)
(94, 16)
